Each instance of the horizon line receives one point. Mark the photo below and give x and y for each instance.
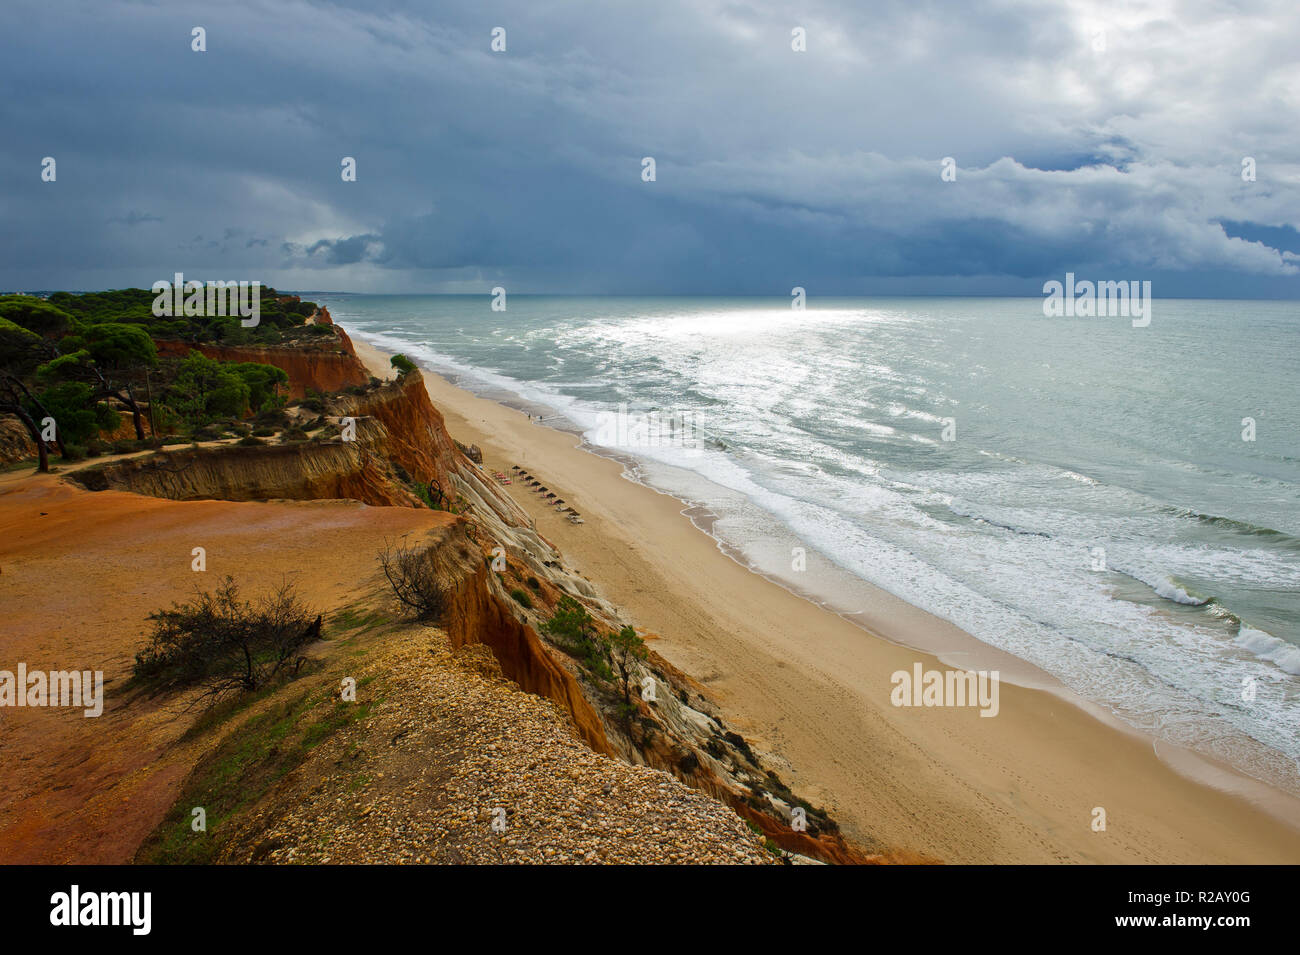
(755, 295)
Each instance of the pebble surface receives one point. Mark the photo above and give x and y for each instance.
(455, 764)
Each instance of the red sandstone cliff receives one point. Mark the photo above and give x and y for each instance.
(476, 615)
(306, 471)
(320, 366)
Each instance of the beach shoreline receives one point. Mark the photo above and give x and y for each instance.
(810, 688)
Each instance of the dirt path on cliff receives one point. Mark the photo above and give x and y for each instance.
(79, 574)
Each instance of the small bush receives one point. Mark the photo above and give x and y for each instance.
(521, 597)
(223, 644)
(431, 494)
(574, 630)
(403, 365)
(627, 649)
(532, 582)
(415, 580)
(272, 418)
(249, 441)
(74, 452)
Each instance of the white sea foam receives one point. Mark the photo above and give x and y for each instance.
(1166, 587)
(1268, 647)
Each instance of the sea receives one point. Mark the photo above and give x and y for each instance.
(1117, 505)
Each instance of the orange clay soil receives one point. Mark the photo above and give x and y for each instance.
(79, 574)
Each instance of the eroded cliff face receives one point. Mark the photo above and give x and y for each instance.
(677, 728)
(415, 437)
(326, 366)
(478, 615)
(399, 438)
(415, 434)
(305, 471)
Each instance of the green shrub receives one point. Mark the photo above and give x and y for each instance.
(403, 365)
(271, 418)
(79, 418)
(205, 389)
(264, 382)
(574, 631)
(34, 314)
(432, 494)
(422, 492)
(626, 648)
(521, 596)
(223, 644)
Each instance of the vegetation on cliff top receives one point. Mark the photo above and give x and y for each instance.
(403, 364)
(70, 366)
(278, 315)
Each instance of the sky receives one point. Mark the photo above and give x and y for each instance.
(1104, 139)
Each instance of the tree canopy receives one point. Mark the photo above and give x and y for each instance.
(77, 358)
(36, 315)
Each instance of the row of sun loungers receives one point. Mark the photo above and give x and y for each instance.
(547, 494)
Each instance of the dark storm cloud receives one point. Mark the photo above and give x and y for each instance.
(1094, 136)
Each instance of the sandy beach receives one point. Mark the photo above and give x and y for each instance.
(811, 690)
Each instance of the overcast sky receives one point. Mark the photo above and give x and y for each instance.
(1104, 139)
